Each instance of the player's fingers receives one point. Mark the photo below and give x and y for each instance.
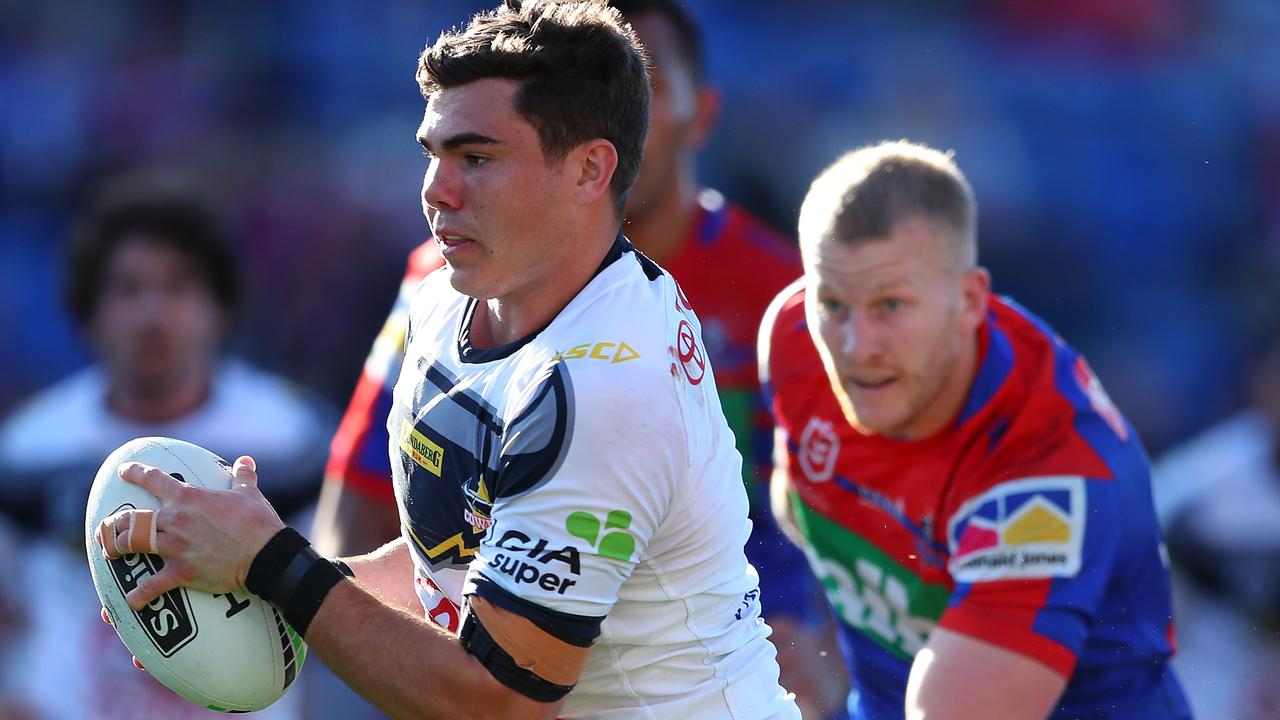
(139, 533)
(152, 479)
(109, 530)
(153, 587)
(245, 472)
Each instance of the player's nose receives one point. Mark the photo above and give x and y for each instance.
(440, 190)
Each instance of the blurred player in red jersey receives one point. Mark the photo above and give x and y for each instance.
(729, 264)
(978, 511)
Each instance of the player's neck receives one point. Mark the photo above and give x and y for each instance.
(148, 402)
(660, 230)
(502, 320)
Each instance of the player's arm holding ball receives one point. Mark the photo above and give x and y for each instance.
(224, 541)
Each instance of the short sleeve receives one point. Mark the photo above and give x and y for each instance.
(1031, 559)
(587, 474)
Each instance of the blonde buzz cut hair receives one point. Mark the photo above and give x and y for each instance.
(868, 192)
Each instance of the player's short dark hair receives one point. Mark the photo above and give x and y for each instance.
(161, 213)
(582, 74)
(688, 34)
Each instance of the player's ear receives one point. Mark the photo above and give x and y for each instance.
(594, 163)
(975, 290)
(705, 113)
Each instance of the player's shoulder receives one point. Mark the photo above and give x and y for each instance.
(615, 335)
(54, 421)
(728, 222)
(277, 401)
(784, 331)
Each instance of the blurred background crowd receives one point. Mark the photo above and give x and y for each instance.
(1125, 157)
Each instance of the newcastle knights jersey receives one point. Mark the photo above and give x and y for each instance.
(1028, 523)
(584, 477)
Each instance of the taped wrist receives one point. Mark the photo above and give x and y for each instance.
(289, 574)
(478, 642)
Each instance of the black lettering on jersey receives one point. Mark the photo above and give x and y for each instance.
(518, 542)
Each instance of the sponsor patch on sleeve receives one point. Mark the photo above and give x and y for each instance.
(1022, 529)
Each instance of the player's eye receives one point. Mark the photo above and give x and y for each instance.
(475, 160)
(829, 307)
(891, 304)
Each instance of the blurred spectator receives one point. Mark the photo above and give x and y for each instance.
(1219, 497)
(153, 283)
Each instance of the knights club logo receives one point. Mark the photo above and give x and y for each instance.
(819, 448)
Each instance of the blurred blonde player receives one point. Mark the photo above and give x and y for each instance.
(977, 509)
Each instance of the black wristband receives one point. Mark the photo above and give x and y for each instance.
(344, 568)
(289, 573)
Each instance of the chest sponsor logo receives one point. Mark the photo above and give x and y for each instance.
(874, 601)
(428, 455)
(689, 354)
(819, 448)
(615, 353)
(1022, 529)
(536, 561)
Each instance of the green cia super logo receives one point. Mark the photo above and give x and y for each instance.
(619, 544)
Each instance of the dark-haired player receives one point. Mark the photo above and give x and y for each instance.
(730, 266)
(153, 283)
(570, 496)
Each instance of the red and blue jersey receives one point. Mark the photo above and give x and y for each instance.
(358, 454)
(1027, 523)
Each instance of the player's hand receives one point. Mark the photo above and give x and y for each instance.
(208, 538)
(106, 618)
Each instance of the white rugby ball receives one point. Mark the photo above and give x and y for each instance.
(230, 652)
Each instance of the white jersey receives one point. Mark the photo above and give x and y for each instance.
(585, 477)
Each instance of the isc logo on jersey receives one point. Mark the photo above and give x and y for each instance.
(1031, 528)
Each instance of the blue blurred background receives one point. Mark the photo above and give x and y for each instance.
(1126, 157)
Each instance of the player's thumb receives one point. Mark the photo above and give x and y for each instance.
(245, 472)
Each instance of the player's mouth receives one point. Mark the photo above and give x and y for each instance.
(870, 384)
(452, 243)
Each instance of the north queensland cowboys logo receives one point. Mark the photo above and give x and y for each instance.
(479, 506)
(819, 448)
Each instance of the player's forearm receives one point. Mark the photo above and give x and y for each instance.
(959, 677)
(407, 667)
(388, 574)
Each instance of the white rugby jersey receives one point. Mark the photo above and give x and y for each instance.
(585, 477)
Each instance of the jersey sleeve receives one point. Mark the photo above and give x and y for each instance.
(358, 457)
(1031, 559)
(587, 475)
